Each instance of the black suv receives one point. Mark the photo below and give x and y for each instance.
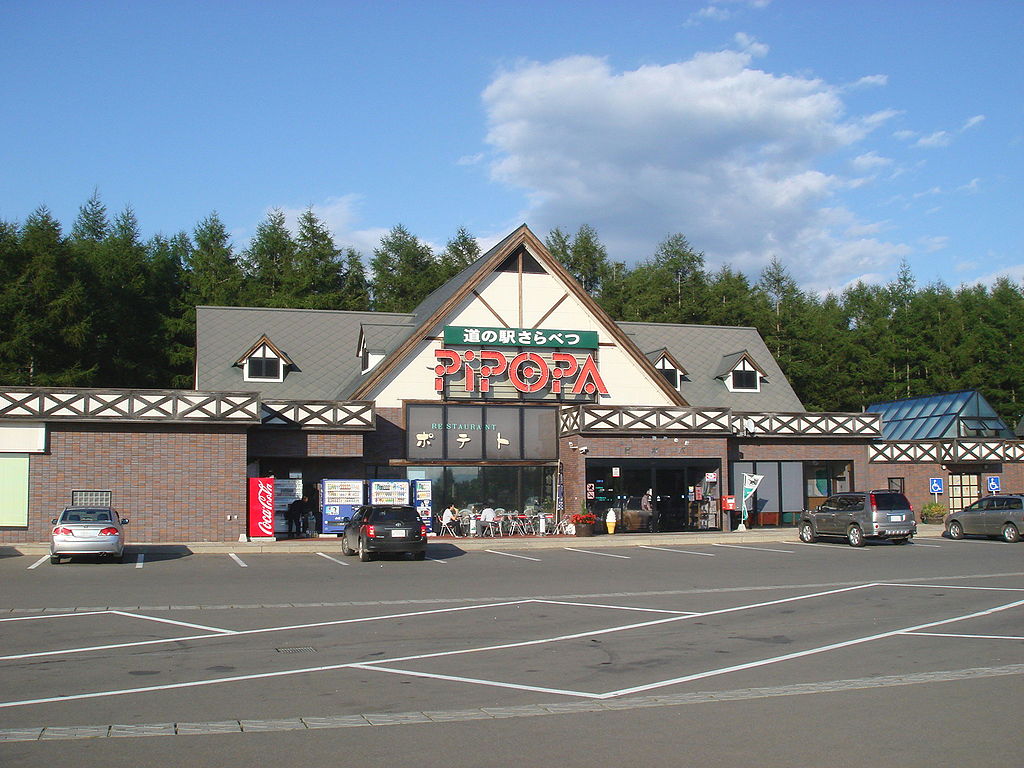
(860, 515)
(384, 528)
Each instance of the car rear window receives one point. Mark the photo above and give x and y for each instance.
(394, 515)
(87, 516)
(891, 501)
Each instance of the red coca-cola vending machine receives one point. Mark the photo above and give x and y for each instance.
(261, 507)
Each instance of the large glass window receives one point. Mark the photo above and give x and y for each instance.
(823, 478)
(508, 487)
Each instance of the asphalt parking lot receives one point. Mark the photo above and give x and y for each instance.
(765, 653)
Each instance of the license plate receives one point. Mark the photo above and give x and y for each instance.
(398, 533)
(895, 518)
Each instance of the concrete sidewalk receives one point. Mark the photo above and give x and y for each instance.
(439, 544)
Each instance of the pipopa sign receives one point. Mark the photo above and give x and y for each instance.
(528, 372)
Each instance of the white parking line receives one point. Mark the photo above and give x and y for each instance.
(808, 652)
(141, 559)
(38, 562)
(950, 586)
(437, 560)
(160, 620)
(237, 559)
(509, 554)
(919, 544)
(759, 549)
(680, 551)
(332, 559)
(591, 552)
(837, 548)
(968, 637)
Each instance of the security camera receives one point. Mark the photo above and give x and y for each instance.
(584, 449)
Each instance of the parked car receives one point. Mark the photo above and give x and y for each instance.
(384, 528)
(860, 515)
(1000, 515)
(87, 531)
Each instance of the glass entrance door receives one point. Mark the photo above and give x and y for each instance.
(964, 489)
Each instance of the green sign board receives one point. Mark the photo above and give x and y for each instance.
(519, 337)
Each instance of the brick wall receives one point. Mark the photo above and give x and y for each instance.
(173, 483)
(916, 477)
(299, 444)
(804, 450)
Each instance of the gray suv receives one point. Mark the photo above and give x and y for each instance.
(1001, 515)
(860, 515)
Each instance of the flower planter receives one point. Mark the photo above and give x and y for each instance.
(584, 529)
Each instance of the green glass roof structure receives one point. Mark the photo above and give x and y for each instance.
(937, 417)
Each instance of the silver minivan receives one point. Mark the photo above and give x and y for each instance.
(1000, 515)
(861, 515)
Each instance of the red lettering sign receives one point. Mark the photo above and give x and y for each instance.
(261, 506)
(528, 371)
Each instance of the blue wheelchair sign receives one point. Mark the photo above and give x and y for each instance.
(993, 483)
(935, 485)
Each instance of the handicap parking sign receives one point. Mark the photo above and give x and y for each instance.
(993, 483)
(935, 485)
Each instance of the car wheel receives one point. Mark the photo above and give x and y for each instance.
(346, 550)
(807, 535)
(364, 555)
(419, 555)
(955, 530)
(54, 559)
(855, 536)
(1010, 533)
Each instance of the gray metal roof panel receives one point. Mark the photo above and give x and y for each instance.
(698, 348)
(321, 343)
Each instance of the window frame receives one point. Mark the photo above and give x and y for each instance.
(263, 353)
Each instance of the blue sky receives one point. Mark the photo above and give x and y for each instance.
(841, 137)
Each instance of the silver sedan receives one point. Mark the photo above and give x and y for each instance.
(87, 531)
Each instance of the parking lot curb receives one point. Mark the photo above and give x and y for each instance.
(439, 545)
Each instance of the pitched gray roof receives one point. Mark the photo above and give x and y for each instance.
(321, 343)
(703, 350)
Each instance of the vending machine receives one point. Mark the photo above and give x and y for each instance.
(422, 494)
(338, 500)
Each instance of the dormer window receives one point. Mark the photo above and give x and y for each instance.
(668, 367)
(744, 378)
(264, 362)
(266, 367)
(740, 373)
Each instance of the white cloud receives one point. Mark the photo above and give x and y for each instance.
(341, 216)
(717, 11)
(971, 122)
(1013, 272)
(711, 147)
(932, 140)
(750, 45)
(972, 187)
(904, 135)
(933, 244)
(870, 161)
(870, 81)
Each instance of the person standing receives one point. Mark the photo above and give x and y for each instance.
(293, 517)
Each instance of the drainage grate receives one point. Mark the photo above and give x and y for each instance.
(305, 649)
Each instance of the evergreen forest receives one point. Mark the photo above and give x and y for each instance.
(99, 306)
